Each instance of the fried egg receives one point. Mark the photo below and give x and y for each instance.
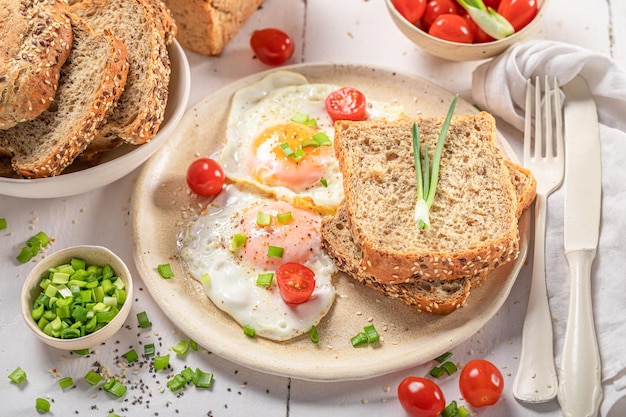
(275, 118)
(229, 273)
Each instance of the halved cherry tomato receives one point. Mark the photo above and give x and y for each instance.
(205, 177)
(451, 27)
(519, 13)
(421, 397)
(434, 8)
(481, 383)
(295, 282)
(272, 46)
(347, 103)
(412, 10)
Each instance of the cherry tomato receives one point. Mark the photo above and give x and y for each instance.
(434, 8)
(481, 383)
(492, 3)
(453, 28)
(272, 46)
(412, 10)
(479, 35)
(421, 397)
(205, 177)
(295, 282)
(347, 103)
(518, 12)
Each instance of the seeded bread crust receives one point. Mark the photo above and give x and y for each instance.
(36, 41)
(141, 109)
(473, 216)
(91, 82)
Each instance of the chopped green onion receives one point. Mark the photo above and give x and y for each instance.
(322, 139)
(177, 382)
(324, 182)
(263, 219)
(42, 405)
(148, 350)
(427, 176)
(371, 333)
(66, 382)
(81, 352)
(239, 240)
(444, 357)
(17, 376)
(3, 223)
(181, 347)
(131, 355)
(202, 379)
(113, 386)
(359, 339)
(93, 378)
(113, 415)
(193, 345)
(265, 279)
(451, 410)
(25, 255)
(492, 23)
(304, 119)
(161, 362)
(188, 374)
(165, 270)
(143, 320)
(33, 245)
(205, 279)
(275, 251)
(313, 335)
(298, 154)
(448, 367)
(284, 217)
(249, 331)
(286, 149)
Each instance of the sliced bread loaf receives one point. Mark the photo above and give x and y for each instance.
(473, 217)
(91, 81)
(36, 40)
(141, 109)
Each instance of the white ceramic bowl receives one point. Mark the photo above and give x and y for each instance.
(118, 162)
(454, 51)
(94, 255)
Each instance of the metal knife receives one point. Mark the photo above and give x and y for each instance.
(580, 389)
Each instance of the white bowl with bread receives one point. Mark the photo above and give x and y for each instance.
(118, 100)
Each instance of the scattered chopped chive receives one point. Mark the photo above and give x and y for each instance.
(304, 119)
(202, 379)
(371, 333)
(188, 374)
(205, 279)
(265, 279)
(17, 376)
(322, 139)
(42, 405)
(284, 217)
(161, 362)
(324, 182)
(177, 382)
(66, 382)
(148, 349)
(263, 219)
(275, 251)
(143, 320)
(448, 367)
(444, 357)
(93, 378)
(193, 345)
(249, 331)
(113, 386)
(33, 245)
(3, 223)
(25, 255)
(239, 241)
(165, 270)
(451, 410)
(286, 149)
(298, 154)
(313, 335)
(82, 352)
(131, 355)
(113, 415)
(359, 339)
(181, 347)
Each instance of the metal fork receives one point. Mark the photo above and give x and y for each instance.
(544, 155)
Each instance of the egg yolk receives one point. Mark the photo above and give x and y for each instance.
(270, 164)
(299, 237)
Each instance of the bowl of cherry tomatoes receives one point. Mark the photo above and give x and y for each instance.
(466, 30)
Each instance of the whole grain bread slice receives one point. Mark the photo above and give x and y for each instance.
(141, 109)
(36, 41)
(91, 81)
(473, 217)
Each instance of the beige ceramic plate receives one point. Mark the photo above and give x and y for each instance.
(162, 206)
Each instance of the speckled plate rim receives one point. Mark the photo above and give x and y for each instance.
(162, 206)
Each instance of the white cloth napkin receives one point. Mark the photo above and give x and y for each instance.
(499, 86)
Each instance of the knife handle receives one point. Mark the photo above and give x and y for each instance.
(580, 382)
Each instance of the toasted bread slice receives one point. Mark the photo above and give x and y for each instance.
(91, 82)
(141, 109)
(36, 41)
(473, 217)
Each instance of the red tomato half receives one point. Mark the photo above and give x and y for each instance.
(421, 397)
(453, 28)
(412, 10)
(347, 103)
(295, 282)
(518, 12)
(272, 46)
(434, 8)
(205, 177)
(481, 383)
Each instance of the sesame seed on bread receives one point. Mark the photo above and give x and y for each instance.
(473, 217)
(91, 81)
(36, 41)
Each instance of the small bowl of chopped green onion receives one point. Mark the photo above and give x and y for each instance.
(78, 297)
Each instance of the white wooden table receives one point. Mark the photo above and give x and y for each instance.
(358, 31)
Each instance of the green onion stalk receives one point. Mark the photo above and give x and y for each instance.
(492, 23)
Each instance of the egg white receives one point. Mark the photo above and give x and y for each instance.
(232, 286)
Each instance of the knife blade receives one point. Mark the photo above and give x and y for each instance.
(580, 390)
